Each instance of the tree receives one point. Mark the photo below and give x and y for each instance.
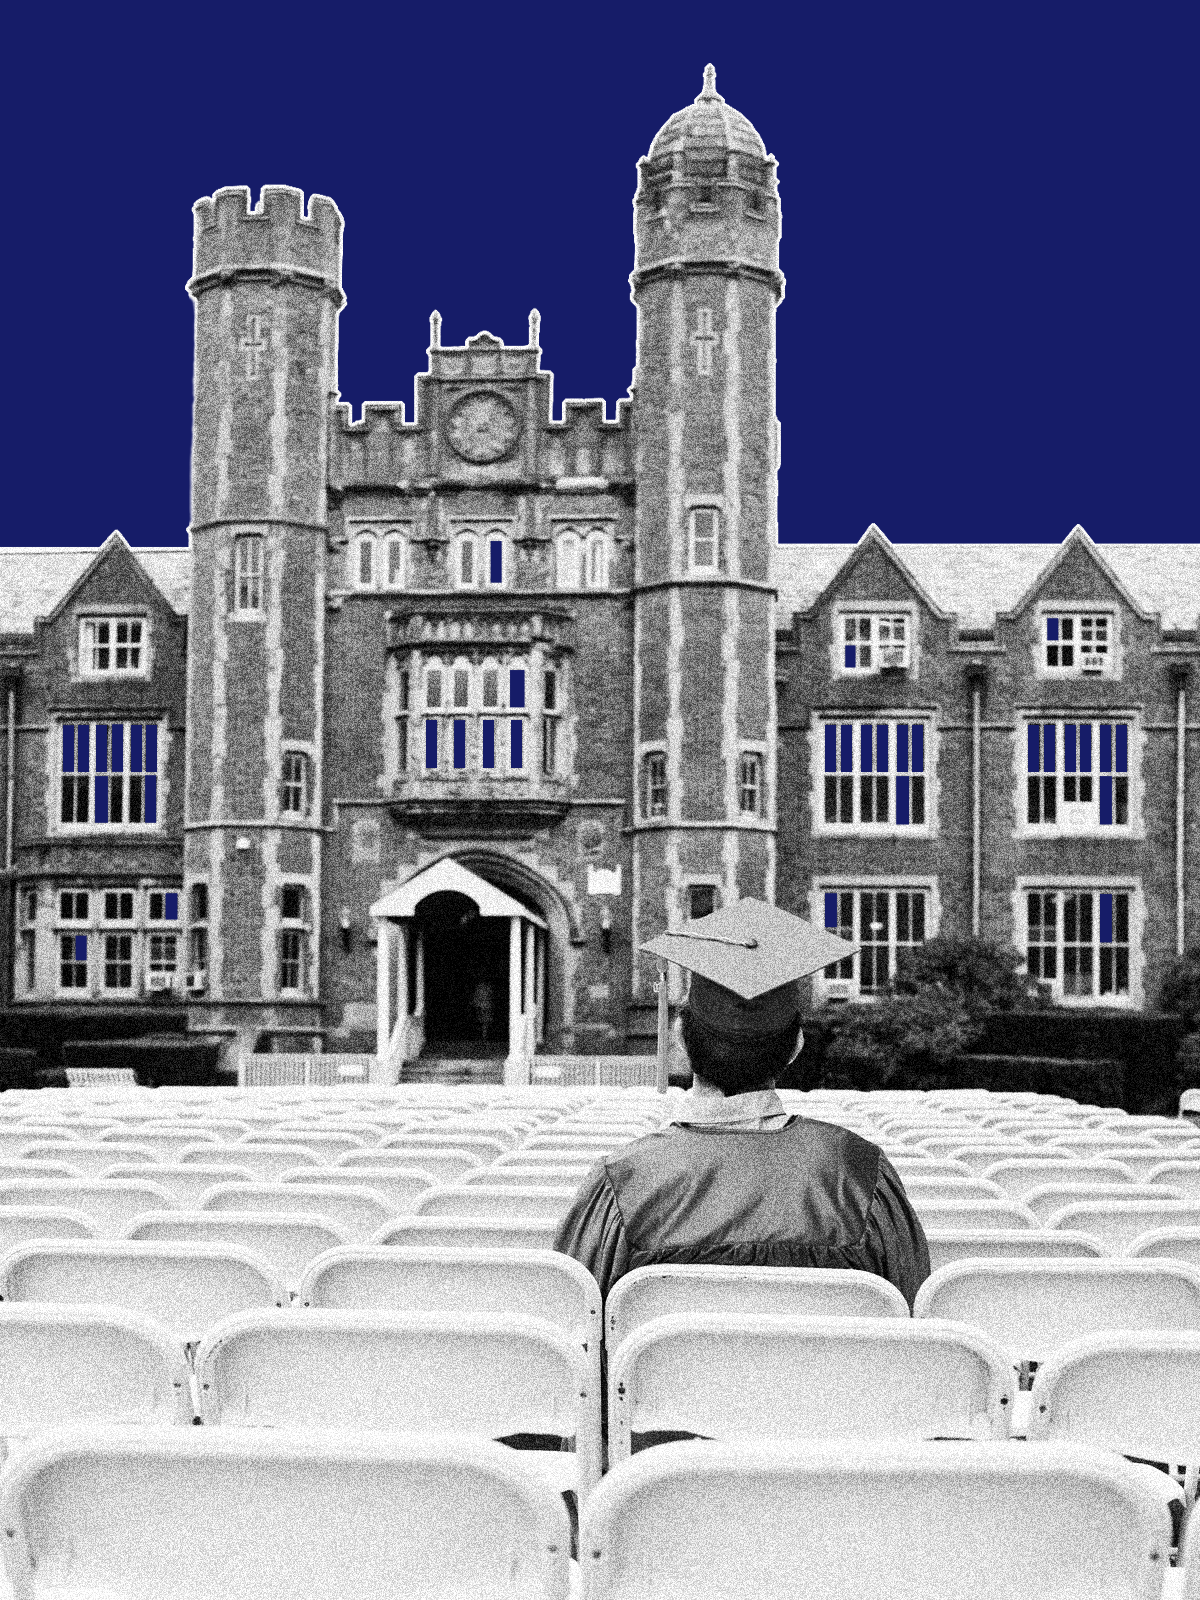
(983, 976)
(874, 1043)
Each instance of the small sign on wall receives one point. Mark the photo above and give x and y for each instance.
(603, 880)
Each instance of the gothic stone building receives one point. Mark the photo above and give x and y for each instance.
(483, 697)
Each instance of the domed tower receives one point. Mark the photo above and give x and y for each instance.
(267, 287)
(706, 283)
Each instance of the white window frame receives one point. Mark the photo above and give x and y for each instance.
(125, 773)
(198, 955)
(881, 622)
(649, 754)
(569, 551)
(685, 908)
(758, 757)
(1084, 655)
(89, 644)
(394, 540)
(596, 556)
(839, 986)
(365, 544)
(299, 926)
(1094, 885)
(695, 537)
(249, 576)
(820, 791)
(1076, 818)
(288, 785)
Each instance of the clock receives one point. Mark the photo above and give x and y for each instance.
(482, 427)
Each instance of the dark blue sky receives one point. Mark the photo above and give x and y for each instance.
(990, 235)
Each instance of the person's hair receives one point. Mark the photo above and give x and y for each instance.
(736, 1065)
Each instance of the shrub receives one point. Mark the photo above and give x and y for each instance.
(1188, 1062)
(1181, 987)
(871, 1043)
(984, 976)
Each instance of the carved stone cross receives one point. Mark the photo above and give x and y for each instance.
(255, 346)
(704, 339)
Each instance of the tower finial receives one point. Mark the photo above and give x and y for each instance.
(435, 330)
(709, 91)
(535, 323)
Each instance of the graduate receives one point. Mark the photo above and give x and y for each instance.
(734, 1179)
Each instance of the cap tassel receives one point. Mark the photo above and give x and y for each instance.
(716, 938)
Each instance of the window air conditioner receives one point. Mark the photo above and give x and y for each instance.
(197, 982)
(893, 655)
(158, 980)
(838, 988)
(1093, 669)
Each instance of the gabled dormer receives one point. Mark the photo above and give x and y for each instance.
(1072, 623)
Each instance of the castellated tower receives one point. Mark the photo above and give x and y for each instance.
(267, 287)
(706, 283)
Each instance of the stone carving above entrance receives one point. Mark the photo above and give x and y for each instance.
(482, 427)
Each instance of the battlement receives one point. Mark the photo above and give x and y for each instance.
(275, 235)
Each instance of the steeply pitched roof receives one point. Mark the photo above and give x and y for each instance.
(33, 581)
(975, 581)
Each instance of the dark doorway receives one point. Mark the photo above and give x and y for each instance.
(462, 952)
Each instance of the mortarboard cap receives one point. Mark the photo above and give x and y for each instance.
(745, 960)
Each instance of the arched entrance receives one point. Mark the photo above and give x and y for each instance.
(466, 976)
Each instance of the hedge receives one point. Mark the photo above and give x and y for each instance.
(156, 1059)
(18, 1068)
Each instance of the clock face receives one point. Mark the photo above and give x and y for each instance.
(482, 427)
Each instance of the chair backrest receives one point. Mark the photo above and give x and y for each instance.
(484, 1145)
(494, 1233)
(839, 1518)
(1018, 1175)
(1047, 1198)
(265, 1161)
(929, 1167)
(184, 1287)
(491, 1375)
(665, 1290)
(921, 1190)
(166, 1142)
(1140, 1163)
(1117, 1223)
(109, 1204)
(397, 1187)
(747, 1376)
(523, 1177)
(287, 1241)
(972, 1244)
(92, 1157)
(1182, 1175)
(325, 1144)
(1177, 1244)
(496, 1200)
(358, 1211)
(185, 1181)
(523, 1156)
(69, 1363)
(205, 1514)
(1031, 1308)
(15, 1140)
(1138, 1393)
(21, 1223)
(444, 1166)
(1189, 1553)
(980, 1214)
(19, 1168)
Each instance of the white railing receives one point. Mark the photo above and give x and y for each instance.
(278, 1071)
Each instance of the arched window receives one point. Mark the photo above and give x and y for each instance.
(496, 558)
(568, 574)
(248, 574)
(433, 687)
(704, 539)
(364, 566)
(464, 567)
(395, 560)
(460, 688)
(597, 560)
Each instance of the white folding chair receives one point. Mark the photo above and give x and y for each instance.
(1183, 1176)
(165, 1142)
(109, 1204)
(1141, 1163)
(493, 1233)
(358, 1211)
(1047, 1198)
(485, 1146)
(185, 1181)
(922, 1190)
(92, 1157)
(265, 1161)
(286, 1240)
(978, 1214)
(325, 1144)
(664, 1290)
(496, 1200)
(21, 1223)
(211, 1513)
(1184, 1582)
(1178, 1244)
(66, 1363)
(492, 1375)
(972, 1244)
(977, 1158)
(1117, 1223)
(444, 1166)
(184, 1287)
(1017, 1176)
(1138, 1393)
(744, 1375)
(397, 1187)
(15, 1140)
(523, 1177)
(843, 1518)
(18, 1168)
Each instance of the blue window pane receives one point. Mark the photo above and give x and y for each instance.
(851, 655)
(830, 747)
(847, 747)
(118, 747)
(918, 747)
(902, 799)
(172, 906)
(1106, 747)
(881, 747)
(1085, 747)
(1122, 747)
(152, 747)
(864, 746)
(489, 742)
(431, 741)
(1106, 800)
(516, 687)
(81, 750)
(135, 747)
(1049, 733)
(831, 912)
(1106, 919)
(102, 747)
(1051, 627)
(101, 799)
(150, 802)
(460, 743)
(1069, 747)
(81, 947)
(496, 557)
(902, 747)
(69, 746)
(516, 747)
(1035, 747)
